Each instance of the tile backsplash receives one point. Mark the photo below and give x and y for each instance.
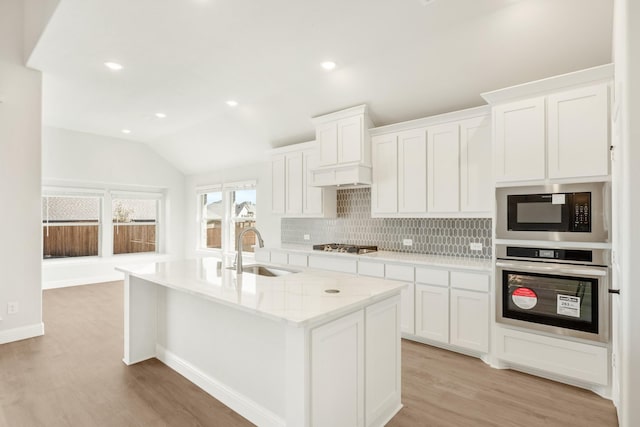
(354, 225)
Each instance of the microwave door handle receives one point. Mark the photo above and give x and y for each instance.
(553, 269)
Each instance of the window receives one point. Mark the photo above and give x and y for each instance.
(83, 222)
(243, 215)
(70, 226)
(135, 223)
(225, 211)
(211, 224)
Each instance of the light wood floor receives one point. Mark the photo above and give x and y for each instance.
(74, 376)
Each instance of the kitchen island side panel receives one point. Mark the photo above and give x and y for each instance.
(245, 353)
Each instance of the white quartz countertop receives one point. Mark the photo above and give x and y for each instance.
(466, 263)
(298, 299)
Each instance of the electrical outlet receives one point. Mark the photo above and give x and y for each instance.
(407, 242)
(307, 237)
(475, 246)
(12, 307)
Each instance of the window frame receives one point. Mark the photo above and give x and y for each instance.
(105, 230)
(159, 197)
(50, 192)
(228, 221)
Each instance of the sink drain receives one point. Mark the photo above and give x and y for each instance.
(332, 291)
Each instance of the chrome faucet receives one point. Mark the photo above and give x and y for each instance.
(238, 263)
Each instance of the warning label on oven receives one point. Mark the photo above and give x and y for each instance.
(569, 305)
(524, 298)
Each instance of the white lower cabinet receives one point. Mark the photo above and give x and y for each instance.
(337, 372)
(404, 273)
(569, 359)
(452, 307)
(432, 312)
(299, 260)
(348, 389)
(470, 320)
(382, 396)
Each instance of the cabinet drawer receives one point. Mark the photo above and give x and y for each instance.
(432, 276)
(470, 281)
(373, 269)
(333, 263)
(299, 260)
(561, 357)
(279, 257)
(399, 272)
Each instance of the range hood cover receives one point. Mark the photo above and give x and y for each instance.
(346, 176)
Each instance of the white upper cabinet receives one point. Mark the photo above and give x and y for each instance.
(293, 183)
(412, 171)
(384, 190)
(278, 184)
(444, 168)
(578, 126)
(553, 129)
(350, 140)
(327, 137)
(438, 166)
(291, 193)
(345, 148)
(476, 172)
(520, 140)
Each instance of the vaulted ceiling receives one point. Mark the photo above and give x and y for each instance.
(406, 59)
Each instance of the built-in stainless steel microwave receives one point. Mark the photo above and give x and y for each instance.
(557, 212)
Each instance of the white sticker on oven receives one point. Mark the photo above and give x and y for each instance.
(558, 199)
(569, 305)
(524, 298)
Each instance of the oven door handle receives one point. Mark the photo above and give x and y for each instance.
(597, 271)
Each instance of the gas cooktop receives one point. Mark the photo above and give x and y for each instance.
(345, 248)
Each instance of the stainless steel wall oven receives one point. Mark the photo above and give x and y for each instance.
(557, 290)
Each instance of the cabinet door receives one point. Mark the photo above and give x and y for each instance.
(444, 168)
(476, 172)
(383, 361)
(312, 197)
(578, 126)
(412, 171)
(384, 189)
(519, 135)
(470, 319)
(278, 184)
(432, 312)
(350, 140)
(337, 372)
(294, 183)
(327, 137)
(407, 303)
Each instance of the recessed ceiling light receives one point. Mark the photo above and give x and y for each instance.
(161, 115)
(113, 66)
(328, 65)
(127, 131)
(232, 103)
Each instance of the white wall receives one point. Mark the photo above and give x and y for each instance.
(268, 224)
(72, 158)
(20, 245)
(627, 142)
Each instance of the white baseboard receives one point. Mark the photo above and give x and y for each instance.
(22, 333)
(77, 281)
(244, 406)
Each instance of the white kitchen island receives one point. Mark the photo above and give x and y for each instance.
(281, 351)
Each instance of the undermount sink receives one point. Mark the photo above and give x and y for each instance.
(265, 270)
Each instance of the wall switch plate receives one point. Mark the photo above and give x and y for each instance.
(307, 237)
(12, 307)
(475, 246)
(407, 242)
